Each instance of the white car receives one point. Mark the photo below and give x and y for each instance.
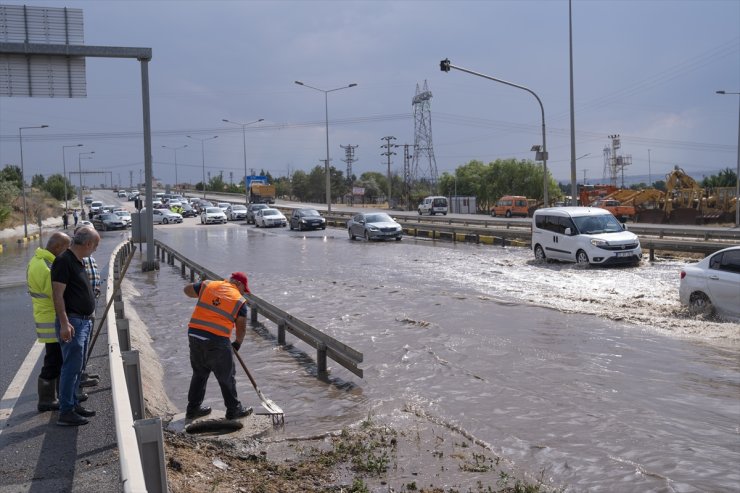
(125, 217)
(212, 215)
(269, 217)
(224, 206)
(712, 285)
(164, 216)
(236, 212)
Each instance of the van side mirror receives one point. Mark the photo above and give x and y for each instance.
(624, 226)
(568, 232)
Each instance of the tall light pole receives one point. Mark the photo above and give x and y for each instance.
(175, 149)
(23, 177)
(203, 157)
(79, 171)
(326, 119)
(445, 66)
(244, 144)
(737, 171)
(64, 164)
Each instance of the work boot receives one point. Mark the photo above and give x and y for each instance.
(71, 418)
(47, 395)
(84, 412)
(88, 381)
(238, 412)
(197, 413)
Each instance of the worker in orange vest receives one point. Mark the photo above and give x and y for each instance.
(221, 306)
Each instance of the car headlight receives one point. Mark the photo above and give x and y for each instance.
(599, 243)
(372, 228)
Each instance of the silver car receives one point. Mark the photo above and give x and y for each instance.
(269, 217)
(374, 226)
(712, 285)
(236, 212)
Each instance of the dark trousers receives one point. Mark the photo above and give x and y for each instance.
(52, 361)
(213, 355)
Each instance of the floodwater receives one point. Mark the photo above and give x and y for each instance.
(595, 378)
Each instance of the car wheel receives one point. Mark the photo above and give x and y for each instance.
(351, 236)
(539, 254)
(431, 213)
(508, 213)
(420, 212)
(201, 220)
(165, 221)
(581, 258)
(493, 213)
(699, 304)
(398, 238)
(300, 227)
(291, 226)
(323, 227)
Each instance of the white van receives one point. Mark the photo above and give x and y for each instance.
(435, 204)
(585, 235)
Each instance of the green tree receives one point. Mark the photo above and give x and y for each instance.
(725, 178)
(55, 187)
(300, 185)
(8, 193)
(12, 174)
(37, 181)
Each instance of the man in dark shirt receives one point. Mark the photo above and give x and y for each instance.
(74, 304)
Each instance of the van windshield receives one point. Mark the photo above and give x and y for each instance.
(605, 223)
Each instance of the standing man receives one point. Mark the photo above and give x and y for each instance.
(65, 218)
(38, 277)
(221, 306)
(74, 303)
(76, 217)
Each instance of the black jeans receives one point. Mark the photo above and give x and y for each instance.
(52, 361)
(215, 356)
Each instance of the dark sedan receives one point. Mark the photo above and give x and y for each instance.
(107, 221)
(302, 219)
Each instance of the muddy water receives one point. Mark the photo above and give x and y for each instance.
(593, 378)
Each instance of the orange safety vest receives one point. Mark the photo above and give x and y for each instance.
(217, 308)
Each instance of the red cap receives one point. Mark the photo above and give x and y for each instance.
(242, 278)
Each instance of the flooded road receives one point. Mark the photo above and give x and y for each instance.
(593, 378)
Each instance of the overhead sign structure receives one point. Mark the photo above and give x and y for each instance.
(26, 75)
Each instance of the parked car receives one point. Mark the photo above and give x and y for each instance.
(302, 219)
(712, 285)
(269, 217)
(212, 215)
(164, 216)
(188, 210)
(252, 210)
(107, 221)
(125, 217)
(374, 226)
(236, 212)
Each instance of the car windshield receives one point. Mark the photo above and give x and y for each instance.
(238, 208)
(108, 217)
(123, 213)
(270, 212)
(213, 210)
(223, 205)
(310, 212)
(205, 203)
(605, 223)
(378, 218)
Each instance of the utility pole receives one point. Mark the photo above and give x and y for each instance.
(349, 158)
(407, 175)
(388, 153)
(650, 175)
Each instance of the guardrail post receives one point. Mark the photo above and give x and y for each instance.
(124, 337)
(281, 333)
(132, 371)
(182, 269)
(192, 275)
(151, 449)
(118, 309)
(652, 254)
(253, 315)
(321, 358)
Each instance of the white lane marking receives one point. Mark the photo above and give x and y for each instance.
(19, 381)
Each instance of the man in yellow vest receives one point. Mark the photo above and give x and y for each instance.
(221, 306)
(38, 277)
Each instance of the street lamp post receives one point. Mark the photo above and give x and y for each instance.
(326, 121)
(737, 171)
(175, 149)
(23, 178)
(445, 66)
(64, 164)
(244, 144)
(79, 171)
(203, 157)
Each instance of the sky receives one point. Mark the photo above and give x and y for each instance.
(646, 70)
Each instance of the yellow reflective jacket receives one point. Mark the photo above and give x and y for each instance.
(38, 276)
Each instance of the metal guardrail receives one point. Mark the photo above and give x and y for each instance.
(325, 345)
